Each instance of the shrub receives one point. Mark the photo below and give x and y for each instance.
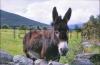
(5, 26)
(23, 27)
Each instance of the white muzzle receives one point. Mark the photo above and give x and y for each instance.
(63, 48)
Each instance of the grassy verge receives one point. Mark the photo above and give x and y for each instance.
(9, 43)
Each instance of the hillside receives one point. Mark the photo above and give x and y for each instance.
(12, 19)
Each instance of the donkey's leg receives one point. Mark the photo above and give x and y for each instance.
(56, 58)
(29, 54)
(33, 55)
(26, 52)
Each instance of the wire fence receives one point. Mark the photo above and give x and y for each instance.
(18, 33)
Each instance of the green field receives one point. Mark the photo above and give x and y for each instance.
(9, 44)
(14, 46)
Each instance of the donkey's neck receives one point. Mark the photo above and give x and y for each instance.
(52, 34)
(54, 39)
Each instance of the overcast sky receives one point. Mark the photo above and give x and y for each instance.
(41, 10)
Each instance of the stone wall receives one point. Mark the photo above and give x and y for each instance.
(7, 59)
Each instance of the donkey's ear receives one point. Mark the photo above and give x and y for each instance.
(67, 15)
(54, 13)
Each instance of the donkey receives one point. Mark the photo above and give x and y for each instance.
(48, 44)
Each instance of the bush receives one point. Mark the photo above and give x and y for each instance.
(5, 26)
(44, 28)
(23, 27)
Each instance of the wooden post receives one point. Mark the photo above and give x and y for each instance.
(14, 33)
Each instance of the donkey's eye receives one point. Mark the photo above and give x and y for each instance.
(56, 32)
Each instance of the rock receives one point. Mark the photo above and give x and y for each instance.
(81, 62)
(85, 55)
(41, 62)
(8, 64)
(82, 59)
(66, 64)
(54, 63)
(22, 60)
(44, 62)
(5, 57)
(86, 44)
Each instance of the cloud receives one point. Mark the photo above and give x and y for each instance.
(41, 10)
(81, 10)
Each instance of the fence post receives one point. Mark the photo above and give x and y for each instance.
(14, 32)
(70, 34)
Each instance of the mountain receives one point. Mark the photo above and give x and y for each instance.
(73, 26)
(12, 19)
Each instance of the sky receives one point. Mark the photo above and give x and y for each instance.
(41, 10)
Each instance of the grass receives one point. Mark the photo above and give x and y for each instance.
(14, 46)
(9, 43)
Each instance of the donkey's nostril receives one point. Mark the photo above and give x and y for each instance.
(63, 51)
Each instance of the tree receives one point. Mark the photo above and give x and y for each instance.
(5, 26)
(92, 18)
(78, 29)
(44, 28)
(23, 27)
(38, 28)
(92, 28)
(98, 18)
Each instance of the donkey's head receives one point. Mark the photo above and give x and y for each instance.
(61, 30)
